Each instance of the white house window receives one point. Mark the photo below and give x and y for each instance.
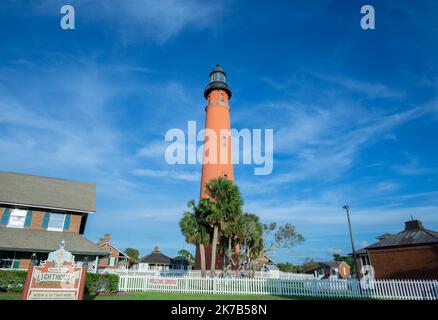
(56, 222)
(17, 218)
(112, 261)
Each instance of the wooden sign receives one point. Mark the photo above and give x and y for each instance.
(57, 279)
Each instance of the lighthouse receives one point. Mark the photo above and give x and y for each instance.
(217, 127)
(217, 158)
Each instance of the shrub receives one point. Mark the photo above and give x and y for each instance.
(98, 283)
(12, 280)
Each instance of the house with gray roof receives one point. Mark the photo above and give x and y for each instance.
(409, 254)
(37, 213)
(157, 261)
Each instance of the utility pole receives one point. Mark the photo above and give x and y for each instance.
(346, 207)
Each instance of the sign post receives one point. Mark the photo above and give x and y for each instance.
(56, 279)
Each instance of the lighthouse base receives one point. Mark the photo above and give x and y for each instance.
(220, 259)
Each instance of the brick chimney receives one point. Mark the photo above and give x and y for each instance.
(106, 238)
(413, 225)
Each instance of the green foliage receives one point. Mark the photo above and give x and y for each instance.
(348, 260)
(288, 267)
(226, 202)
(97, 283)
(251, 235)
(219, 219)
(132, 253)
(185, 255)
(12, 280)
(193, 224)
(309, 265)
(285, 236)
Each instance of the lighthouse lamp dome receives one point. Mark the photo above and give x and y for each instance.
(217, 82)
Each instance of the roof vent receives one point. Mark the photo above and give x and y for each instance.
(156, 249)
(385, 236)
(413, 225)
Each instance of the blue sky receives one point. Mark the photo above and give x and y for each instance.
(354, 112)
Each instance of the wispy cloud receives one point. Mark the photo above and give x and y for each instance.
(172, 174)
(413, 168)
(140, 19)
(371, 90)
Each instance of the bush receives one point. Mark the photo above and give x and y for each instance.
(12, 280)
(101, 283)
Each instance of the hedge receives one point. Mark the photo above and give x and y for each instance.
(97, 283)
(13, 281)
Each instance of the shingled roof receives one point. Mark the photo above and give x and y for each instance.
(413, 234)
(15, 239)
(156, 257)
(47, 193)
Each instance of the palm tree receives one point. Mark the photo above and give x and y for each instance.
(194, 228)
(225, 208)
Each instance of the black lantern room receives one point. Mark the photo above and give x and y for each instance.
(217, 82)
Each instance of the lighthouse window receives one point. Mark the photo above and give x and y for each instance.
(224, 141)
(218, 76)
(221, 97)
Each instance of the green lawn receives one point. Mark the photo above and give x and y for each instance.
(10, 296)
(166, 296)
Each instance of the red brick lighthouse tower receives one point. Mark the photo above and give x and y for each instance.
(217, 121)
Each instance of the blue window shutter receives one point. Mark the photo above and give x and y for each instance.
(67, 222)
(5, 217)
(28, 219)
(46, 220)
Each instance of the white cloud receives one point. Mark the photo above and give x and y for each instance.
(172, 174)
(371, 90)
(413, 168)
(140, 19)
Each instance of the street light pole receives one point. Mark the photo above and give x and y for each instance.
(346, 207)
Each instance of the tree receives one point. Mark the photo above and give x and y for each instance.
(132, 253)
(250, 239)
(288, 267)
(309, 265)
(284, 237)
(225, 207)
(184, 255)
(195, 228)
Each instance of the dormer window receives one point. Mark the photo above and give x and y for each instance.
(17, 218)
(56, 222)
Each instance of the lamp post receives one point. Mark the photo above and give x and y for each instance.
(346, 207)
(33, 259)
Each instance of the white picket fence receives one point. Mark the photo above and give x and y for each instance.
(197, 273)
(381, 289)
(282, 275)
